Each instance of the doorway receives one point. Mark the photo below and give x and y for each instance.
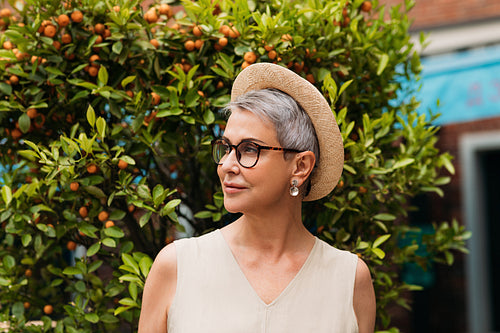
(480, 166)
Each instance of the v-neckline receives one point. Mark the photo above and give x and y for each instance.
(290, 284)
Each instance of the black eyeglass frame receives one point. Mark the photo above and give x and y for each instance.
(238, 154)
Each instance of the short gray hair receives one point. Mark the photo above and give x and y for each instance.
(293, 126)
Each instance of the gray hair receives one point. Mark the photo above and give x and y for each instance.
(293, 126)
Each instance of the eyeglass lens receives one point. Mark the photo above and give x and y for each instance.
(247, 153)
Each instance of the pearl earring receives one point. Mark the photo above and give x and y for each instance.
(294, 190)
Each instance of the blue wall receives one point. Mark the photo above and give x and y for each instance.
(466, 83)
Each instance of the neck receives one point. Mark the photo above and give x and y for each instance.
(276, 232)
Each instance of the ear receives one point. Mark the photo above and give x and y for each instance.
(303, 166)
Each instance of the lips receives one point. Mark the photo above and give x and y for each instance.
(231, 188)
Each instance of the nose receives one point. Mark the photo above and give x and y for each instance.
(229, 163)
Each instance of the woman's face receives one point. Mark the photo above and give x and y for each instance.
(266, 184)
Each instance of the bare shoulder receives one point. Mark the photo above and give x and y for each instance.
(159, 291)
(364, 298)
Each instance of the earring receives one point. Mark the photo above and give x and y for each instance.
(294, 190)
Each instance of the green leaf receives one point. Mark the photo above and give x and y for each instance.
(208, 117)
(114, 232)
(170, 206)
(109, 319)
(117, 215)
(145, 218)
(129, 261)
(92, 317)
(24, 123)
(109, 242)
(6, 195)
(402, 163)
(384, 217)
(88, 229)
(117, 48)
(101, 127)
(71, 271)
(380, 240)
(204, 214)
(93, 249)
(9, 262)
(379, 253)
(103, 76)
(127, 80)
(26, 239)
(95, 191)
(145, 265)
(384, 59)
(128, 302)
(91, 115)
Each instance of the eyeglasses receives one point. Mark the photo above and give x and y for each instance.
(247, 152)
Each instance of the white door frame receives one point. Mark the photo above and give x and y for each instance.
(473, 210)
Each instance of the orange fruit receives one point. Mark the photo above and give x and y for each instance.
(50, 30)
(48, 309)
(66, 38)
(233, 32)
(28, 272)
(130, 93)
(103, 216)
(131, 208)
(272, 54)
(26, 305)
(155, 98)
(268, 48)
(155, 43)
(83, 211)
(91, 168)
(165, 9)
(245, 64)
(189, 45)
(225, 30)
(8, 45)
(32, 113)
(286, 37)
(14, 80)
(93, 71)
(197, 31)
(106, 33)
(310, 78)
(63, 20)
(366, 6)
(99, 28)
(223, 41)
(151, 16)
(109, 224)
(198, 44)
(93, 58)
(250, 57)
(16, 133)
(116, 8)
(5, 12)
(56, 44)
(77, 16)
(74, 186)
(122, 164)
(71, 245)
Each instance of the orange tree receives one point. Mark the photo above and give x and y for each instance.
(106, 114)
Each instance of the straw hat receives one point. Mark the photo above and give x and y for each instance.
(331, 162)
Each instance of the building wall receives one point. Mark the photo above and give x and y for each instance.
(438, 13)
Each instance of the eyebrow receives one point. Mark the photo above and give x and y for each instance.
(244, 139)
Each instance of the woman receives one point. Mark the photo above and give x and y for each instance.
(265, 272)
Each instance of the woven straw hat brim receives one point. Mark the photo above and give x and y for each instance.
(331, 162)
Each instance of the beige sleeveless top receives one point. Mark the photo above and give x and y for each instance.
(213, 294)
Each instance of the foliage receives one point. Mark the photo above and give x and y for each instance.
(106, 118)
